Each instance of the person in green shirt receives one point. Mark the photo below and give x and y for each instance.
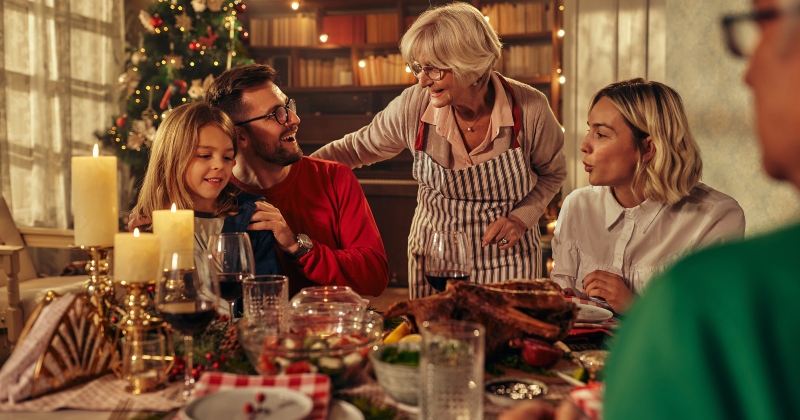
(717, 336)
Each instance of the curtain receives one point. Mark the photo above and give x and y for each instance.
(59, 65)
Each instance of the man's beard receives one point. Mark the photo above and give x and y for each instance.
(277, 155)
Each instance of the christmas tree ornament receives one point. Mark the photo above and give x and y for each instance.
(196, 92)
(145, 18)
(214, 5)
(156, 21)
(241, 8)
(138, 57)
(174, 61)
(194, 45)
(122, 120)
(208, 41)
(183, 22)
(199, 6)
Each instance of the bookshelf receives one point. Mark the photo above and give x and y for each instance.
(340, 84)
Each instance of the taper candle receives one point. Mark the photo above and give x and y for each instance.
(94, 199)
(136, 257)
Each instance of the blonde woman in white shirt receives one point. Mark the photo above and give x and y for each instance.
(646, 206)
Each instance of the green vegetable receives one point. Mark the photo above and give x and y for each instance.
(404, 357)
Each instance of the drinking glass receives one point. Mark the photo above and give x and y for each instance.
(230, 261)
(446, 258)
(266, 299)
(451, 370)
(187, 298)
(144, 362)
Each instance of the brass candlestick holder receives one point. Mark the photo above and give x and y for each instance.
(98, 286)
(147, 350)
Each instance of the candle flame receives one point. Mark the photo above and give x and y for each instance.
(96, 151)
(136, 232)
(174, 208)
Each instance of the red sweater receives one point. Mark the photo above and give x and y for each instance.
(324, 200)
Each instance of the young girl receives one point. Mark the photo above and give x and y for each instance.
(191, 161)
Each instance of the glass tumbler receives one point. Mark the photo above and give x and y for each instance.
(144, 363)
(266, 299)
(451, 370)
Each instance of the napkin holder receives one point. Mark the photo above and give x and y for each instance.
(78, 349)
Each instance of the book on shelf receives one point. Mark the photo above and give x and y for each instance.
(283, 31)
(518, 18)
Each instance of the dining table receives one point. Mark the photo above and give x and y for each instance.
(102, 398)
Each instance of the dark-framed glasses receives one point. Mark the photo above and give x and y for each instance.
(281, 113)
(433, 73)
(742, 30)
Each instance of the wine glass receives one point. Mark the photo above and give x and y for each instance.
(230, 261)
(187, 299)
(446, 258)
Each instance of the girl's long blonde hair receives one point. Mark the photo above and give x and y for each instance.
(175, 144)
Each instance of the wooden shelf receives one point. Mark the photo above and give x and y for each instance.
(329, 89)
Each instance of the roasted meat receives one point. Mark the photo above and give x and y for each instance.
(508, 310)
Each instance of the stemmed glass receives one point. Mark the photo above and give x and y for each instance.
(187, 299)
(446, 258)
(230, 261)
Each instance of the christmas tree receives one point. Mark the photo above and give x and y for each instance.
(185, 44)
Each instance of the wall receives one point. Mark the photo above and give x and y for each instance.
(680, 43)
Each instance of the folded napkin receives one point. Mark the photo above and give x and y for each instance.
(606, 326)
(589, 399)
(315, 385)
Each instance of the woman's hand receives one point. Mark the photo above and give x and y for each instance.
(505, 232)
(610, 287)
(268, 217)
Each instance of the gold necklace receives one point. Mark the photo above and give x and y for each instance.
(469, 128)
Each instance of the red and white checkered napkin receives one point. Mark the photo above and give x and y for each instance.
(590, 399)
(315, 385)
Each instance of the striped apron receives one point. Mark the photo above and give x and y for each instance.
(468, 200)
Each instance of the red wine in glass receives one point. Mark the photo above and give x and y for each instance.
(438, 279)
(189, 317)
(230, 285)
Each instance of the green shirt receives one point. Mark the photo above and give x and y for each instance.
(716, 337)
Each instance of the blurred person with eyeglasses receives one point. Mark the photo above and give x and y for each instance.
(716, 337)
(487, 149)
(323, 226)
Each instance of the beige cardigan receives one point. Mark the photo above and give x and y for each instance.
(396, 128)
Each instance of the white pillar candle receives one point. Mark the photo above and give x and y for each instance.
(94, 199)
(136, 257)
(175, 228)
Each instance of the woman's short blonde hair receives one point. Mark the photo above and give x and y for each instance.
(456, 37)
(656, 110)
(174, 146)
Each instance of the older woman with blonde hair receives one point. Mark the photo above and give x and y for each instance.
(487, 149)
(646, 206)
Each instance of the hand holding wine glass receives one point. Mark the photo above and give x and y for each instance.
(230, 261)
(447, 257)
(187, 299)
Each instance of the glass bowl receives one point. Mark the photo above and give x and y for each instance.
(334, 346)
(323, 302)
(400, 382)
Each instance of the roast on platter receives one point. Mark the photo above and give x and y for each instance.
(510, 310)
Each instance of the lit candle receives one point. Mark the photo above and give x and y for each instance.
(94, 199)
(136, 257)
(175, 228)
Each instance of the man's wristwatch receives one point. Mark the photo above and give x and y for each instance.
(305, 245)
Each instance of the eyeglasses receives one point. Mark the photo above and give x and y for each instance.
(433, 73)
(281, 114)
(742, 30)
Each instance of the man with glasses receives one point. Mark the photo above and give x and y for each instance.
(315, 208)
(717, 336)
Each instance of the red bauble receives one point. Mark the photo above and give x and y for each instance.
(241, 8)
(156, 21)
(245, 35)
(194, 46)
(122, 120)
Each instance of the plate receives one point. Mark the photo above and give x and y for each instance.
(343, 410)
(282, 403)
(589, 313)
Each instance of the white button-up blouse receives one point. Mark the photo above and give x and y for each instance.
(594, 232)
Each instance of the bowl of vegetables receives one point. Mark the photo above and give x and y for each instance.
(397, 370)
(338, 347)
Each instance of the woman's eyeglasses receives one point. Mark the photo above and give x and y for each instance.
(742, 30)
(281, 114)
(433, 73)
